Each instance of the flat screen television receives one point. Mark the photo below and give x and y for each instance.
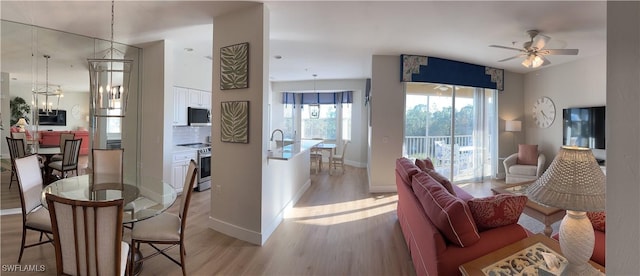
(54, 118)
(584, 127)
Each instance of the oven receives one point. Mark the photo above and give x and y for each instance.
(204, 169)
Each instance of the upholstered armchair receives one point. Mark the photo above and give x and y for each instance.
(525, 165)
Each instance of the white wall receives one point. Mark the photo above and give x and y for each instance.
(192, 70)
(576, 84)
(156, 124)
(387, 122)
(623, 149)
(237, 169)
(510, 108)
(357, 149)
(6, 112)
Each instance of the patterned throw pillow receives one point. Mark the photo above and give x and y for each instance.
(598, 220)
(498, 210)
(527, 154)
(424, 164)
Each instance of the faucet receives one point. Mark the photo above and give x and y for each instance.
(281, 135)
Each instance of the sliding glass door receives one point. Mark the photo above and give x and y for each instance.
(453, 126)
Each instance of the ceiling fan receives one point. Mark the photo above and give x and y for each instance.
(534, 51)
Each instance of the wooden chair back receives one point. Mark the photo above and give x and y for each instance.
(87, 235)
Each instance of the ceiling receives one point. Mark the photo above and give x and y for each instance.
(336, 39)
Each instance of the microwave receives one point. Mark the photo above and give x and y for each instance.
(198, 116)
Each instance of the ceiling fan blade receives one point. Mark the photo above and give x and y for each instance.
(539, 41)
(510, 58)
(559, 52)
(505, 47)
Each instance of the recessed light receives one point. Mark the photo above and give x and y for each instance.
(277, 57)
(188, 49)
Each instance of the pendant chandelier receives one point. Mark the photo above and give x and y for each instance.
(109, 81)
(44, 96)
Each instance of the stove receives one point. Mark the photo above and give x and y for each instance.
(204, 165)
(202, 147)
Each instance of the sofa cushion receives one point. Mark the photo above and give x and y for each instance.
(442, 180)
(527, 154)
(523, 169)
(598, 220)
(424, 164)
(406, 169)
(498, 210)
(448, 213)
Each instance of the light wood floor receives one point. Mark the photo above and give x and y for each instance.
(337, 228)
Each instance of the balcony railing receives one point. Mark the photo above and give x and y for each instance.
(438, 149)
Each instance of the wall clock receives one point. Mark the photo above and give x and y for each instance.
(75, 111)
(544, 112)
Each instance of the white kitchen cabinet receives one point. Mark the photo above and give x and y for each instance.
(180, 166)
(180, 104)
(199, 98)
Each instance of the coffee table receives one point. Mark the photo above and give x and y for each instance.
(519, 258)
(546, 215)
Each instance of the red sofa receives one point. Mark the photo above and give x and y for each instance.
(52, 139)
(431, 251)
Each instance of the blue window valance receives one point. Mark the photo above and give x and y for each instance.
(318, 98)
(437, 70)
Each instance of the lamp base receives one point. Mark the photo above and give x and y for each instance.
(576, 243)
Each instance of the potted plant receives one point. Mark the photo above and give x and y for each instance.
(19, 109)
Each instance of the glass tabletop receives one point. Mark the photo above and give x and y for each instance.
(140, 203)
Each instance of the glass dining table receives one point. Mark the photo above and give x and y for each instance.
(141, 202)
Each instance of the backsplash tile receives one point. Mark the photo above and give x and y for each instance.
(189, 135)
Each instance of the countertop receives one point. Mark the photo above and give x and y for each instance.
(289, 151)
(177, 149)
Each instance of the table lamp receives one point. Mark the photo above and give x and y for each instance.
(21, 124)
(573, 182)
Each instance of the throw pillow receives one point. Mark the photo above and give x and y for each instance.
(406, 169)
(495, 211)
(424, 164)
(527, 154)
(442, 180)
(598, 220)
(448, 213)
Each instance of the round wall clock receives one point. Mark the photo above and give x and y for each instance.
(75, 111)
(544, 112)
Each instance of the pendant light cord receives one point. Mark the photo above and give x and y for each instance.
(113, 4)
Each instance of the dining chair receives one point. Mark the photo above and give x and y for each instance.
(166, 228)
(88, 236)
(23, 136)
(338, 159)
(69, 161)
(63, 138)
(16, 150)
(316, 156)
(107, 167)
(34, 216)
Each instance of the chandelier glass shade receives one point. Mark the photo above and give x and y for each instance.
(109, 79)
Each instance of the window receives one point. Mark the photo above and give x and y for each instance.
(324, 115)
(452, 125)
(289, 124)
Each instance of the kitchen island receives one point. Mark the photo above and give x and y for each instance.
(289, 151)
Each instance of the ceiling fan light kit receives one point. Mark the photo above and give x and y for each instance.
(533, 50)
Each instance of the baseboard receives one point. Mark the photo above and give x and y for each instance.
(235, 231)
(267, 231)
(252, 236)
(12, 211)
